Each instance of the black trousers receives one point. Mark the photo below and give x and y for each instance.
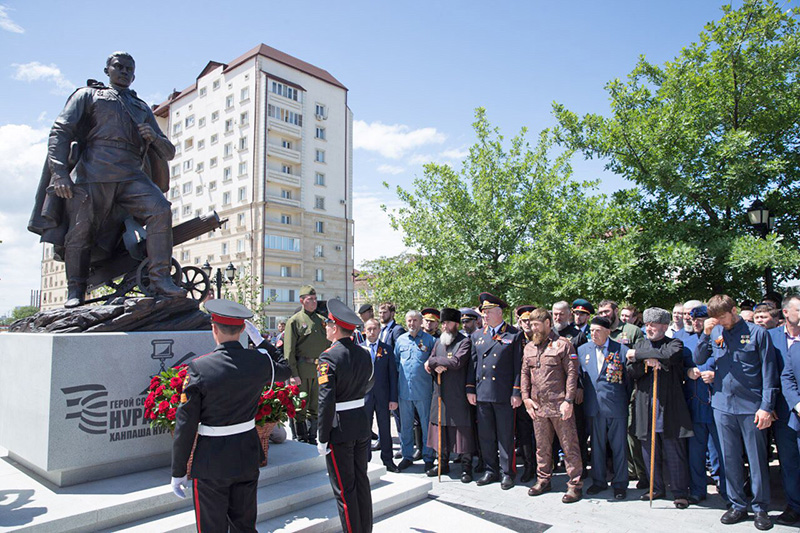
(676, 457)
(222, 505)
(381, 411)
(347, 471)
(496, 434)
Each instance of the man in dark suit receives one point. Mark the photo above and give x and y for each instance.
(790, 375)
(390, 330)
(783, 337)
(221, 393)
(606, 394)
(493, 384)
(383, 396)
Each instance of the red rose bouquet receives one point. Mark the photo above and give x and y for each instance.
(164, 397)
(279, 404)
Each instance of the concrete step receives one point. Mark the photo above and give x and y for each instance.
(110, 503)
(392, 492)
(293, 493)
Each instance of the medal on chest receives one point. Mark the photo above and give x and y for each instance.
(745, 339)
(422, 346)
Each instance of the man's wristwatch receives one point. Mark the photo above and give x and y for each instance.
(569, 401)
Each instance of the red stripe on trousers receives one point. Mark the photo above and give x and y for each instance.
(196, 505)
(514, 453)
(341, 490)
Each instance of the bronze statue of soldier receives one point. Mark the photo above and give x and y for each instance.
(103, 153)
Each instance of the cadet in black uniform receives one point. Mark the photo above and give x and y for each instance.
(220, 397)
(344, 374)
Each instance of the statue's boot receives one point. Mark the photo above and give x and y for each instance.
(159, 252)
(77, 266)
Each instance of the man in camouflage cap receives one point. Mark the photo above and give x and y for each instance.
(304, 339)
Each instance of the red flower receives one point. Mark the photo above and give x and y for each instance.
(294, 389)
(283, 395)
(290, 411)
(279, 384)
(160, 390)
(150, 401)
(171, 413)
(175, 382)
(182, 373)
(303, 403)
(267, 410)
(155, 382)
(163, 406)
(270, 395)
(175, 399)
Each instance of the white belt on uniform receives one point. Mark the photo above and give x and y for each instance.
(224, 431)
(352, 404)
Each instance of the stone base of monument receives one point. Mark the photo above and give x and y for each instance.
(294, 495)
(72, 404)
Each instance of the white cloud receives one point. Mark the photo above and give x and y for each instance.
(22, 153)
(35, 71)
(421, 159)
(393, 141)
(390, 169)
(454, 153)
(6, 23)
(374, 236)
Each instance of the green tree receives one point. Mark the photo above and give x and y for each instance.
(246, 289)
(511, 221)
(701, 137)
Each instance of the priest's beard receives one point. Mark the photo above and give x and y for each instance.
(447, 338)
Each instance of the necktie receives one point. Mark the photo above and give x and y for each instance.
(600, 359)
(372, 351)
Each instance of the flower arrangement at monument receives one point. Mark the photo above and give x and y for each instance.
(164, 397)
(279, 404)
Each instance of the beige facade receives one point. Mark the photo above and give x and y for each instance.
(266, 142)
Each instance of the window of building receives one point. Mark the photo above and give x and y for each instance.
(319, 226)
(211, 208)
(188, 144)
(203, 91)
(319, 178)
(286, 272)
(228, 125)
(240, 220)
(229, 101)
(243, 143)
(227, 151)
(178, 147)
(244, 94)
(212, 162)
(289, 145)
(214, 116)
(287, 169)
(319, 275)
(286, 194)
(321, 111)
(244, 118)
(285, 115)
(188, 164)
(202, 122)
(319, 202)
(319, 250)
(226, 198)
(226, 174)
(319, 156)
(198, 190)
(215, 85)
(320, 133)
(199, 167)
(174, 213)
(284, 90)
(240, 245)
(177, 128)
(243, 168)
(176, 170)
(214, 139)
(184, 256)
(198, 212)
(175, 192)
(280, 295)
(187, 210)
(277, 242)
(242, 194)
(212, 185)
(224, 248)
(189, 121)
(201, 144)
(286, 219)
(187, 187)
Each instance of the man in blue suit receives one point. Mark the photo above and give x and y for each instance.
(784, 337)
(606, 393)
(383, 396)
(790, 375)
(745, 388)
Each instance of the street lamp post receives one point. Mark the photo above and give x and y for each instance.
(759, 218)
(218, 279)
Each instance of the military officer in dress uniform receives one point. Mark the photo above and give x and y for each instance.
(219, 402)
(345, 376)
(582, 309)
(304, 340)
(430, 321)
(745, 387)
(469, 321)
(493, 385)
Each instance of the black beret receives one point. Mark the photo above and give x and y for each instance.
(601, 321)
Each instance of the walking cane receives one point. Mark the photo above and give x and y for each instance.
(653, 432)
(439, 382)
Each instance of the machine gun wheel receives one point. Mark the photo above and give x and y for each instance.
(196, 282)
(143, 277)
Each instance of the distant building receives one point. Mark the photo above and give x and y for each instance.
(265, 141)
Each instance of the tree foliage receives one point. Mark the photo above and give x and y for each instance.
(702, 136)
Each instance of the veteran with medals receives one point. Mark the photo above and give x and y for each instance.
(493, 385)
(345, 376)
(220, 400)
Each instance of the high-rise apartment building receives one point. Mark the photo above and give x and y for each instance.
(266, 142)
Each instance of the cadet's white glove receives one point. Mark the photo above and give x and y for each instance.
(322, 448)
(253, 333)
(179, 484)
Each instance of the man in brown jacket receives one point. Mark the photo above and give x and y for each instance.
(549, 381)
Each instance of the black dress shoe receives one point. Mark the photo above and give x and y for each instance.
(391, 467)
(656, 496)
(620, 494)
(762, 521)
(733, 516)
(694, 500)
(788, 517)
(405, 463)
(417, 455)
(642, 484)
(507, 482)
(466, 477)
(487, 478)
(434, 470)
(595, 489)
(428, 466)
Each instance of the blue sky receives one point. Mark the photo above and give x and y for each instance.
(415, 71)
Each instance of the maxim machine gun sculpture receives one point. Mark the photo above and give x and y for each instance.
(126, 272)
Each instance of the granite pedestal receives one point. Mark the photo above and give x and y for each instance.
(71, 405)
